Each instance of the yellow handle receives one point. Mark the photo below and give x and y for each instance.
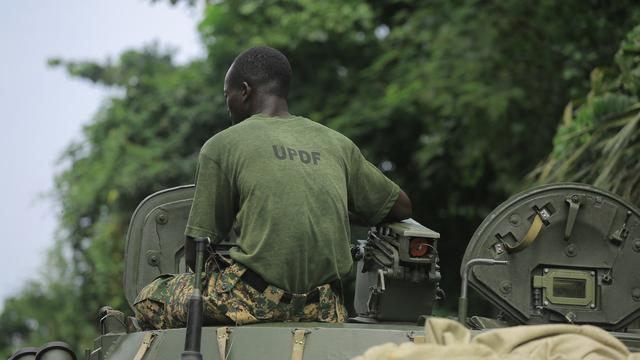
(529, 237)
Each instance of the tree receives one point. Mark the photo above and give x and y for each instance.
(440, 94)
(599, 139)
(145, 138)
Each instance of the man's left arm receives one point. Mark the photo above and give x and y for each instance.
(211, 212)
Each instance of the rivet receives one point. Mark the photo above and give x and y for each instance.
(635, 294)
(571, 250)
(514, 220)
(636, 245)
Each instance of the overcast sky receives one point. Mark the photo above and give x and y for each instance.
(42, 110)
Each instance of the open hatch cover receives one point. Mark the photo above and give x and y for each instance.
(573, 253)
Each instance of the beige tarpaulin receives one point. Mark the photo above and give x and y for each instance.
(447, 339)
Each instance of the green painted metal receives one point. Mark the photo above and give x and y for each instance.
(567, 287)
(581, 268)
(264, 341)
(155, 239)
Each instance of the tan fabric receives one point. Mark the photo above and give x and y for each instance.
(447, 339)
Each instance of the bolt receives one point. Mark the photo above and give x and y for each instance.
(636, 245)
(546, 303)
(592, 273)
(153, 260)
(593, 306)
(545, 214)
(571, 316)
(514, 219)
(162, 218)
(505, 287)
(635, 294)
(571, 250)
(546, 270)
(574, 198)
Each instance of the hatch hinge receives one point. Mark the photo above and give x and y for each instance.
(222, 335)
(145, 345)
(299, 335)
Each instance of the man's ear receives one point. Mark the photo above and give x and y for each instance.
(245, 90)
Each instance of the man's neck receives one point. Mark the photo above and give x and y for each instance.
(272, 106)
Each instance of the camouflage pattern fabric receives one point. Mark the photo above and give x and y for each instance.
(228, 300)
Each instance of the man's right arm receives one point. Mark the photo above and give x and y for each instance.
(401, 210)
(372, 197)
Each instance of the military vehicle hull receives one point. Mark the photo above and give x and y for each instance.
(564, 253)
(260, 341)
(275, 341)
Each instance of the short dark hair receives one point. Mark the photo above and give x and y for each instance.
(264, 68)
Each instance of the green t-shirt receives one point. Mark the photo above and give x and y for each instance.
(284, 186)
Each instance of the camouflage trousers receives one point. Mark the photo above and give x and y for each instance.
(229, 300)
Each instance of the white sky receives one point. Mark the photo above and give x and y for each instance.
(42, 109)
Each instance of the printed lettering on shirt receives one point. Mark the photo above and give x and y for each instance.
(305, 156)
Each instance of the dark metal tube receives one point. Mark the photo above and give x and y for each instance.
(194, 323)
(194, 320)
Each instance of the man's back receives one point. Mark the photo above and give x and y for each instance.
(284, 186)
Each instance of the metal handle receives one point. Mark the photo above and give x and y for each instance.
(462, 301)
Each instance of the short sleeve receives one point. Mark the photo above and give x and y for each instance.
(371, 195)
(212, 208)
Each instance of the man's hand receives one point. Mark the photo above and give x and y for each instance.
(401, 209)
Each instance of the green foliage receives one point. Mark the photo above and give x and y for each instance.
(144, 138)
(599, 141)
(458, 99)
(46, 310)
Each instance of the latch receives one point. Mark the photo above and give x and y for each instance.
(574, 206)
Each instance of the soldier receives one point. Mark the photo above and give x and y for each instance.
(286, 187)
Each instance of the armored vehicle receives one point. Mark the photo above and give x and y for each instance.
(561, 253)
